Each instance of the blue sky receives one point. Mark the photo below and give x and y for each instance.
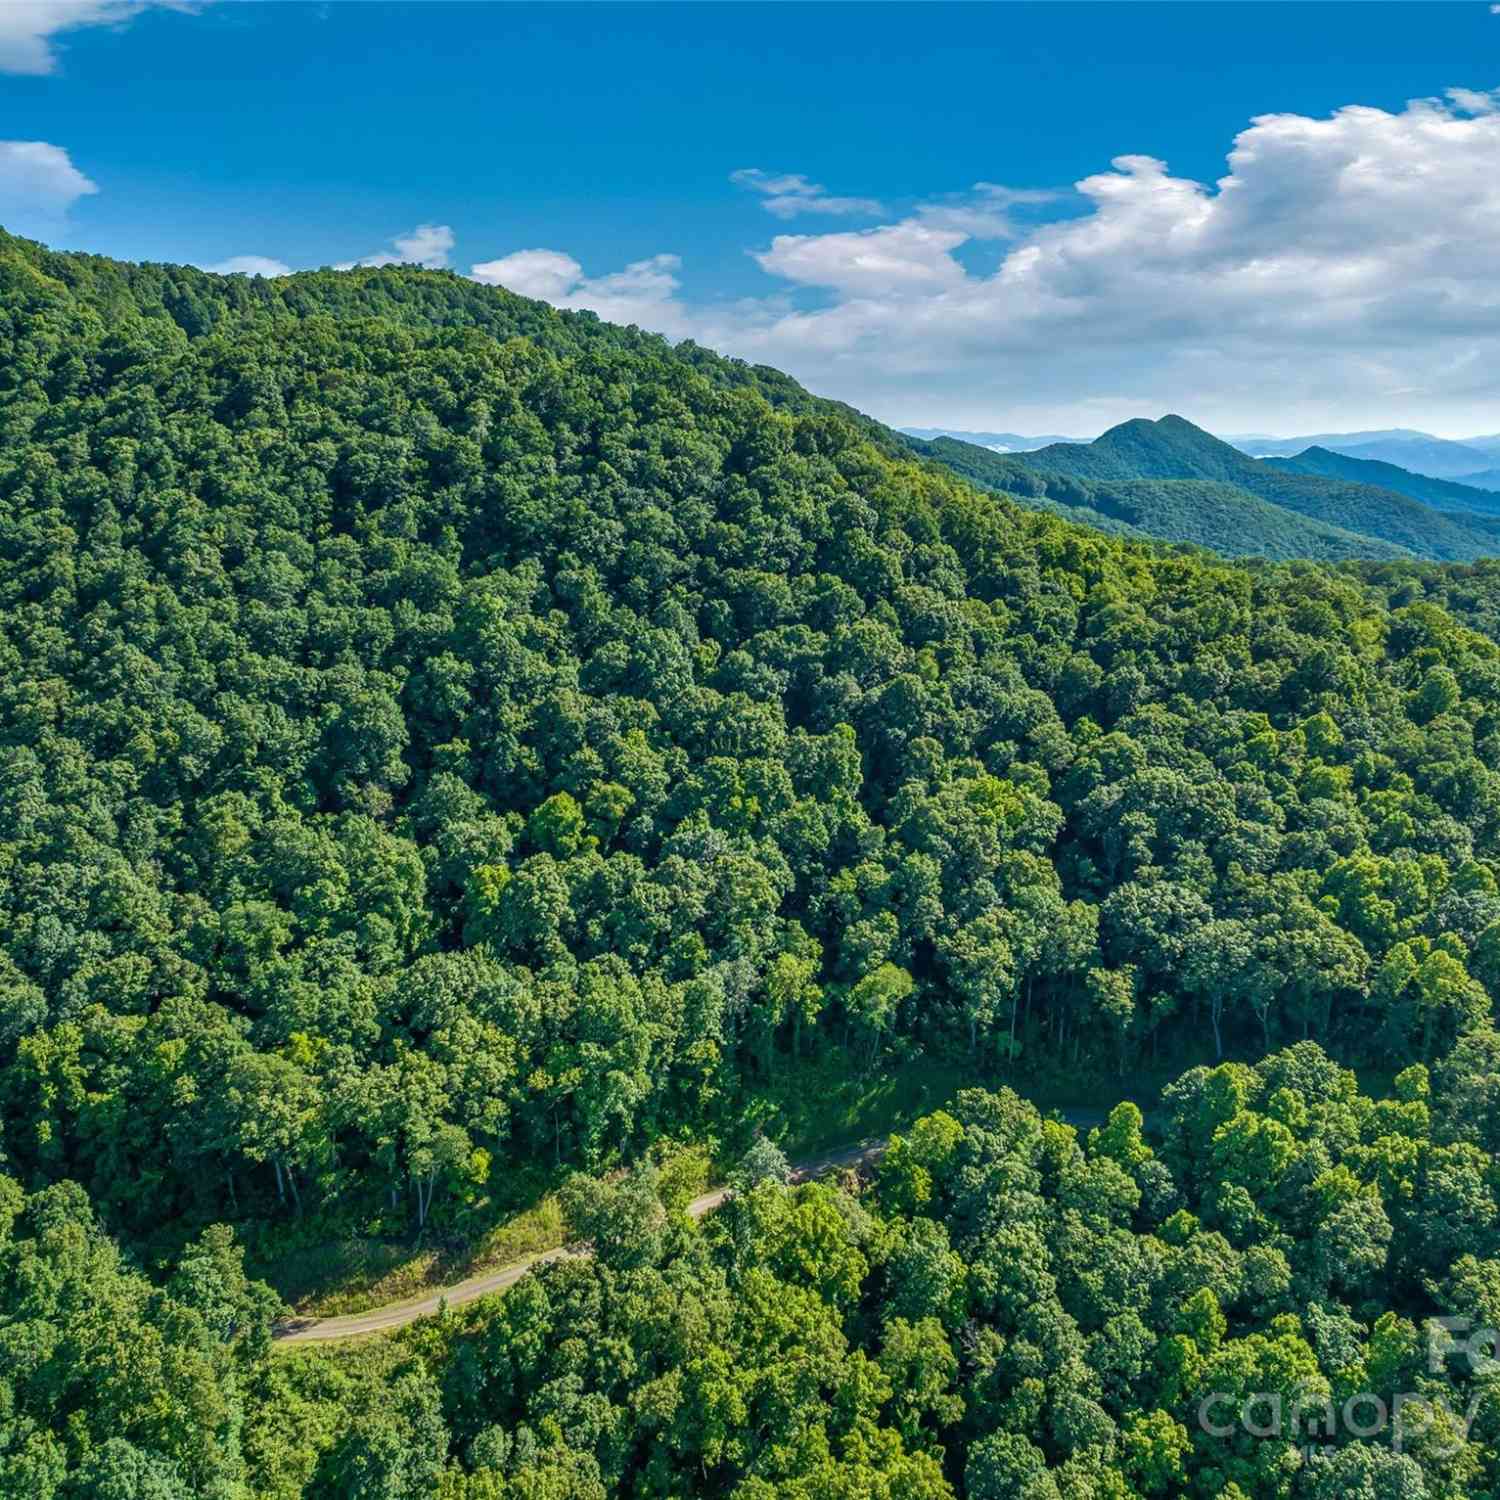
(854, 246)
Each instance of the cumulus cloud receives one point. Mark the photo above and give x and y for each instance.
(1340, 272)
(250, 265)
(788, 194)
(27, 27)
(896, 259)
(426, 245)
(644, 293)
(38, 185)
(547, 274)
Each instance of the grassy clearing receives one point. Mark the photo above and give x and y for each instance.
(353, 1275)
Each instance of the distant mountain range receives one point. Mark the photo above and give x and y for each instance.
(1174, 481)
(1419, 452)
(1445, 494)
(1474, 462)
(996, 442)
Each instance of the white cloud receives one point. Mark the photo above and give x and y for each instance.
(1474, 101)
(250, 265)
(1340, 273)
(426, 245)
(788, 194)
(983, 213)
(645, 292)
(27, 27)
(38, 185)
(547, 274)
(894, 259)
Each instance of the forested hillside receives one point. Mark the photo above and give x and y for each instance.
(1175, 449)
(480, 750)
(1245, 1309)
(1211, 513)
(439, 735)
(1444, 494)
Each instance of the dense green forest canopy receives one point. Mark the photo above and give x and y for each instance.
(439, 734)
(1286, 1296)
(426, 750)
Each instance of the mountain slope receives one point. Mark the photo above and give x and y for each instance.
(1173, 448)
(1486, 479)
(1436, 457)
(174, 302)
(1441, 494)
(178, 299)
(428, 751)
(1205, 512)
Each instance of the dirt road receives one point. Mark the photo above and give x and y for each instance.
(398, 1314)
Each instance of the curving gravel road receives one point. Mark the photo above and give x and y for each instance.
(398, 1314)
